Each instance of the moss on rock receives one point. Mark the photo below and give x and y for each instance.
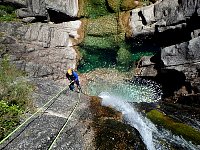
(178, 128)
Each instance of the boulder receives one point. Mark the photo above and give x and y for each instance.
(21, 3)
(34, 8)
(183, 57)
(53, 35)
(164, 16)
(145, 67)
(68, 7)
(142, 21)
(187, 52)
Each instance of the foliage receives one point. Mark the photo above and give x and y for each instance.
(103, 26)
(7, 13)
(178, 128)
(124, 57)
(145, 2)
(9, 118)
(114, 5)
(14, 96)
(7, 8)
(95, 8)
(99, 42)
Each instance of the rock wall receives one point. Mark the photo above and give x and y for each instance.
(174, 27)
(42, 50)
(163, 15)
(39, 8)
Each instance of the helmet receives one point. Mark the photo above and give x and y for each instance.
(69, 71)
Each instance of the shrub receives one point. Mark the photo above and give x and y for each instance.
(124, 57)
(14, 96)
(7, 13)
(95, 8)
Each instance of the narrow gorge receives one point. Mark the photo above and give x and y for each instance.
(138, 63)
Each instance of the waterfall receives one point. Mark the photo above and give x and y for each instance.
(120, 96)
(152, 137)
(131, 116)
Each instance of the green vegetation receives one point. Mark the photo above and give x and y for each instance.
(114, 5)
(103, 26)
(178, 128)
(14, 97)
(7, 13)
(124, 58)
(95, 8)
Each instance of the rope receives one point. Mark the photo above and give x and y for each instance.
(68, 118)
(41, 108)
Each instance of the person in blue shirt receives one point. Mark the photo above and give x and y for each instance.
(72, 76)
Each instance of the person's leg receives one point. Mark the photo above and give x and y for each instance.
(71, 86)
(78, 86)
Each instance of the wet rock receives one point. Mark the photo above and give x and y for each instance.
(110, 131)
(178, 128)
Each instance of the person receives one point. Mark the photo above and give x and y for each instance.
(72, 76)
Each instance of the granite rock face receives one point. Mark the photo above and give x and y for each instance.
(39, 8)
(68, 7)
(162, 16)
(21, 3)
(174, 26)
(42, 129)
(42, 50)
(183, 57)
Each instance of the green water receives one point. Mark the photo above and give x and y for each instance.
(102, 58)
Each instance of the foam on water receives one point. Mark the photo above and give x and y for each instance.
(137, 90)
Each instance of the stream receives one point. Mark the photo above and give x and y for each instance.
(123, 95)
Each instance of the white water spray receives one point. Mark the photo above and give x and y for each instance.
(137, 90)
(131, 116)
(119, 95)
